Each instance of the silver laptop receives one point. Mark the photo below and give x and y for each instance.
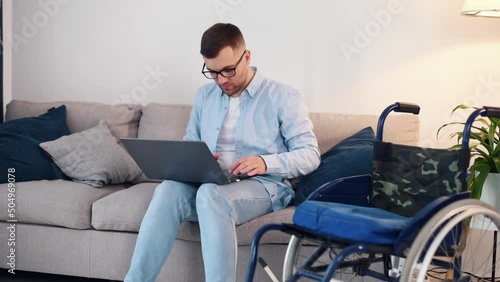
(185, 161)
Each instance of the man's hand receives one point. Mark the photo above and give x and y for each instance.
(251, 165)
(216, 156)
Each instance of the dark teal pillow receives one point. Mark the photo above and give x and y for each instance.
(20, 150)
(351, 156)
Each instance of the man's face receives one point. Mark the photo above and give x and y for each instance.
(226, 60)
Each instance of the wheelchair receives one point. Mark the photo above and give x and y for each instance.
(412, 219)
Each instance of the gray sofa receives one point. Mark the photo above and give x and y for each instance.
(70, 228)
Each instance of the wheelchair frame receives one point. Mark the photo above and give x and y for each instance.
(439, 219)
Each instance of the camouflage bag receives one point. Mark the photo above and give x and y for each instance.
(407, 178)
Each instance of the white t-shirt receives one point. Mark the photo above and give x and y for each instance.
(226, 143)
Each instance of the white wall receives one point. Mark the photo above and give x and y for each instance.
(416, 51)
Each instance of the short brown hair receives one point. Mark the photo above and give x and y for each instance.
(219, 36)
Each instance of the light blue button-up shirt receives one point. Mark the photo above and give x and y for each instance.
(273, 124)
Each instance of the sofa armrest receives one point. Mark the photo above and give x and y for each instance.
(353, 190)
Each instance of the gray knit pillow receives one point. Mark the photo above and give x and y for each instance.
(94, 157)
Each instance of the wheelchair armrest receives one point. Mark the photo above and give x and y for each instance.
(422, 217)
(353, 190)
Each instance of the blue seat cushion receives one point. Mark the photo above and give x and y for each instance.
(350, 223)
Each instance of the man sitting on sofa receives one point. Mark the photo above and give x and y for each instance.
(253, 125)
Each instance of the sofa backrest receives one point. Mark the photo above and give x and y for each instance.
(169, 121)
(331, 128)
(166, 121)
(123, 119)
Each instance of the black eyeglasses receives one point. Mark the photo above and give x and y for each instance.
(228, 72)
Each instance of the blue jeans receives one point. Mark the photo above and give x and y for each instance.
(217, 208)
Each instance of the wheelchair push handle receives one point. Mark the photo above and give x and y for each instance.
(407, 108)
(396, 107)
(493, 112)
(485, 111)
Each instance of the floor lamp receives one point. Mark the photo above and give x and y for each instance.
(482, 8)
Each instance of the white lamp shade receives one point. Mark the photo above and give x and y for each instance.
(484, 8)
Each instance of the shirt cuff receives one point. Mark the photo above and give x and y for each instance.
(272, 163)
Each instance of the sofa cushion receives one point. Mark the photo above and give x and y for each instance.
(164, 121)
(55, 202)
(190, 231)
(19, 150)
(109, 213)
(93, 157)
(246, 231)
(123, 119)
(352, 156)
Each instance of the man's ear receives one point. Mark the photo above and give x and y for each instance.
(248, 56)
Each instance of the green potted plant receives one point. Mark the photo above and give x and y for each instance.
(484, 147)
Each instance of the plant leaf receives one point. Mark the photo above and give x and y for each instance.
(446, 125)
(483, 145)
(481, 171)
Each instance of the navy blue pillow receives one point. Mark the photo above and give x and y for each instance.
(19, 146)
(351, 156)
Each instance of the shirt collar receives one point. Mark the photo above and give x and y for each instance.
(255, 84)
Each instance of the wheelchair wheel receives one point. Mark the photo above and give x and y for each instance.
(458, 244)
(300, 250)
